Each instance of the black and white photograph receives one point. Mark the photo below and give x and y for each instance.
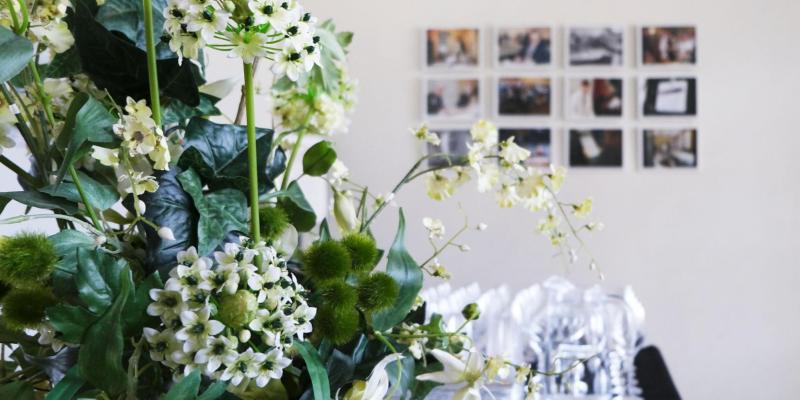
(452, 48)
(665, 148)
(524, 97)
(524, 47)
(668, 96)
(452, 98)
(591, 97)
(595, 46)
(595, 147)
(535, 140)
(452, 142)
(668, 45)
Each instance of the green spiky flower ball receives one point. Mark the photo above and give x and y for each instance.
(362, 250)
(238, 309)
(326, 261)
(24, 308)
(273, 221)
(338, 295)
(339, 326)
(26, 259)
(377, 292)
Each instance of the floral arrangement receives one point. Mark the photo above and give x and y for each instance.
(188, 263)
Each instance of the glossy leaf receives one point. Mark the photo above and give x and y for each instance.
(98, 279)
(87, 120)
(319, 376)
(70, 321)
(186, 388)
(218, 153)
(214, 391)
(100, 356)
(319, 158)
(127, 17)
(17, 51)
(403, 369)
(300, 212)
(39, 200)
(340, 369)
(68, 387)
(100, 196)
(405, 271)
(135, 313)
(220, 212)
(65, 243)
(176, 112)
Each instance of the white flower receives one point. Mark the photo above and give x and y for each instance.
(161, 344)
(512, 153)
(270, 366)
(507, 196)
(166, 233)
(197, 327)
(55, 35)
(422, 133)
(107, 157)
(584, 208)
(467, 368)
(208, 22)
(377, 385)
(481, 226)
(338, 173)
(488, 176)
(435, 227)
(188, 256)
(439, 186)
(484, 131)
(165, 302)
(302, 317)
(245, 366)
(219, 350)
(226, 278)
(273, 12)
(248, 45)
(289, 63)
(557, 175)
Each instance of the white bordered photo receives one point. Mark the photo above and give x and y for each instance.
(667, 96)
(595, 46)
(665, 148)
(452, 48)
(594, 96)
(523, 96)
(666, 46)
(537, 140)
(528, 47)
(594, 147)
(452, 98)
(453, 140)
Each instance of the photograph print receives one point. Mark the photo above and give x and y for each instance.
(535, 140)
(452, 142)
(452, 48)
(588, 97)
(595, 46)
(668, 45)
(523, 47)
(595, 148)
(524, 97)
(669, 148)
(668, 96)
(452, 98)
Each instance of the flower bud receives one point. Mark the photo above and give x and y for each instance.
(100, 240)
(166, 233)
(471, 312)
(244, 335)
(140, 206)
(344, 211)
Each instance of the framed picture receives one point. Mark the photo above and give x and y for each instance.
(453, 142)
(667, 45)
(452, 99)
(523, 97)
(594, 147)
(589, 97)
(599, 46)
(452, 48)
(668, 96)
(669, 148)
(536, 140)
(529, 47)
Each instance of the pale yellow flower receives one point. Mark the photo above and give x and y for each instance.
(439, 271)
(488, 175)
(424, 134)
(137, 109)
(507, 196)
(439, 186)
(161, 155)
(496, 367)
(522, 373)
(557, 176)
(55, 35)
(583, 209)
(484, 131)
(513, 153)
(434, 226)
(107, 157)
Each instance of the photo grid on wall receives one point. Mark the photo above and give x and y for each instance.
(570, 95)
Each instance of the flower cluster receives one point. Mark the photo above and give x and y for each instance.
(276, 29)
(46, 24)
(231, 317)
(144, 148)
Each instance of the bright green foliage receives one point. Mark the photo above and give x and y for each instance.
(26, 259)
(337, 325)
(338, 295)
(24, 308)
(377, 292)
(326, 261)
(362, 250)
(273, 221)
(238, 309)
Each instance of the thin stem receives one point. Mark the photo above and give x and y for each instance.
(43, 96)
(295, 150)
(89, 209)
(28, 178)
(252, 154)
(152, 69)
(240, 108)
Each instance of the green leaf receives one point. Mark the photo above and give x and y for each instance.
(100, 356)
(324, 231)
(214, 391)
(344, 39)
(63, 65)
(317, 372)
(186, 388)
(87, 120)
(405, 271)
(127, 17)
(17, 51)
(40, 200)
(70, 321)
(98, 279)
(176, 112)
(300, 212)
(68, 387)
(100, 196)
(406, 374)
(65, 243)
(319, 158)
(135, 313)
(340, 367)
(18, 390)
(221, 212)
(218, 153)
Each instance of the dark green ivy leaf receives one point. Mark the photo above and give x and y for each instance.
(135, 313)
(87, 120)
(98, 279)
(100, 196)
(17, 51)
(70, 321)
(176, 112)
(300, 212)
(65, 243)
(319, 158)
(127, 17)
(186, 389)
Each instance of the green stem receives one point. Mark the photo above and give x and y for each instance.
(295, 150)
(152, 70)
(43, 97)
(84, 198)
(28, 178)
(252, 154)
